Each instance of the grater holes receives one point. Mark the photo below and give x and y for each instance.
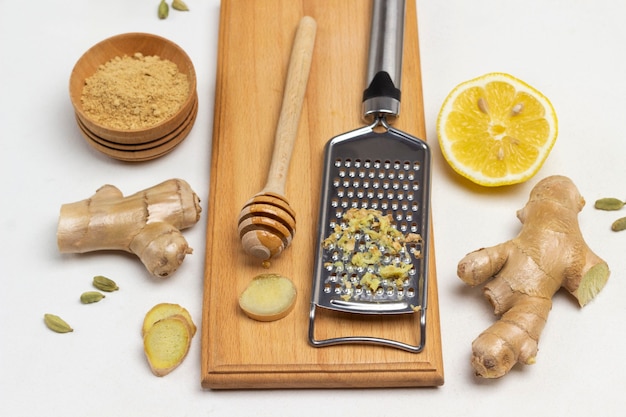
(392, 187)
(358, 290)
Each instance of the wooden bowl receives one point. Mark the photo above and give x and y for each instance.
(129, 44)
(140, 152)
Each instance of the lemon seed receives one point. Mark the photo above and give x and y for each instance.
(483, 106)
(517, 109)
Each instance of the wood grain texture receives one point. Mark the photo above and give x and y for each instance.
(238, 353)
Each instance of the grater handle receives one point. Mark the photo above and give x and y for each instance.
(381, 98)
(293, 98)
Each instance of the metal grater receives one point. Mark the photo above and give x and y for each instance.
(381, 168)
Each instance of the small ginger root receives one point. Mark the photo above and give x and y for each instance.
(547, 254)
(147, 223)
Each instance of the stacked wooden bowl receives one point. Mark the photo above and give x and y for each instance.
(134, 144)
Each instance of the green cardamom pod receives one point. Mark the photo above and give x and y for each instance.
(89, 297)
(56, 324)
(619, 224)
(104, 284)
(180, 6)
(609, 204)
(164, 10)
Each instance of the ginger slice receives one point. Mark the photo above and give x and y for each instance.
(167, 343)
(268, 297)
(164, 310)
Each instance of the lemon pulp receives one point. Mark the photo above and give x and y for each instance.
(496, 129)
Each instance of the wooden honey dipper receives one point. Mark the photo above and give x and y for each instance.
(267, 223)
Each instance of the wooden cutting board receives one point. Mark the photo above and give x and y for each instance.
(255, 40)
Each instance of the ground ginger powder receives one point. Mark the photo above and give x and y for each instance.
(134, 92)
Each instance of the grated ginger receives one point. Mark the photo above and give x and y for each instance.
(373, 244)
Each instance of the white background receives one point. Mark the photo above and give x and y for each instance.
(573, 51)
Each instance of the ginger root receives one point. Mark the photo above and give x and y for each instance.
(147, 223)
(547, 254)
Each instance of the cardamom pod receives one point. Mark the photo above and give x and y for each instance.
(56, 324)
(89, 297)
(619, 224)
(104, 284)
(180, 6)
(609, 204)
(164, 10)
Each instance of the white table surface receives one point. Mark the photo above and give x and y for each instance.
(570, 50)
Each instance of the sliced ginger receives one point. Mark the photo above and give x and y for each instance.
(164, 310)
(268, 297)
(166, 344)
(549, 253)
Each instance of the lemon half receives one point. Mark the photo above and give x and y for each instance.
(496, 130)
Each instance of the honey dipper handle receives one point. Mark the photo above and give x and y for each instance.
(293, 98)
